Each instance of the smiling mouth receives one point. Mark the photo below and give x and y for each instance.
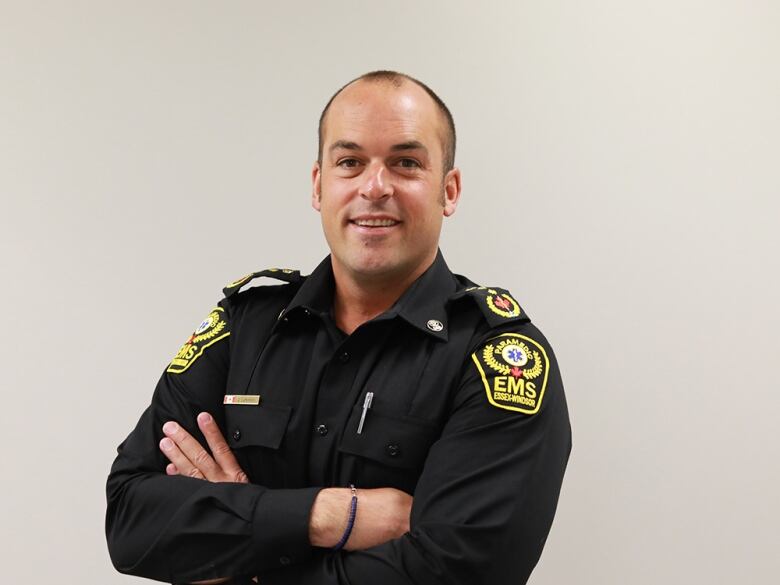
(375, 223)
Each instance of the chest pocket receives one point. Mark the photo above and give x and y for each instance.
(255, 434)
(390, 451)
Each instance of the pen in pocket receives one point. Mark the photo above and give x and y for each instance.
(366, 406)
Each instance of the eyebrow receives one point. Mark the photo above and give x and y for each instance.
(411, 145)
(348, 145)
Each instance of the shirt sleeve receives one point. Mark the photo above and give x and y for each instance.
(181, 529)
(485, 501)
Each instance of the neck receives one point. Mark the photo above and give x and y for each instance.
(357, 300)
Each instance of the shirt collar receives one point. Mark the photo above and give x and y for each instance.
(423, 305)
(316, 292)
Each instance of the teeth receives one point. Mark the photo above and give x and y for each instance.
(375, 222)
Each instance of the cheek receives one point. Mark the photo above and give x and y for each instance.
(334, 195)
(326, 213)
(331, 211)
(426, 208)
(429, 229)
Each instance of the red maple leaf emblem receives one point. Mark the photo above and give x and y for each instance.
(501, 303)
(516, 372)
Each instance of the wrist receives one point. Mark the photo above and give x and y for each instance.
(329, 516)
(353, 500)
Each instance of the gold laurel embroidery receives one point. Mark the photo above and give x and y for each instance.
(213, 332)
(536, 370)
(528, 374)
(487, 355)
(514, 312)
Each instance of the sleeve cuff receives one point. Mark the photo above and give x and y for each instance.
(280, 528)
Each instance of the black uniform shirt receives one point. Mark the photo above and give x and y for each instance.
(467, 413)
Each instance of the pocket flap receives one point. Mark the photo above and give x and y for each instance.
(262, 425)
(392, 440)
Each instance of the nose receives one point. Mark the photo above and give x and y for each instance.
(377, 183)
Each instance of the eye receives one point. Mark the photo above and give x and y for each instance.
(409, 163)
(348, 163)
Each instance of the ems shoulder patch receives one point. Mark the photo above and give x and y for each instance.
(514, 370)
(212, 329)
(496, 304)
(284, 274)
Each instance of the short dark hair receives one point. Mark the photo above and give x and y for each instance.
(397, 79)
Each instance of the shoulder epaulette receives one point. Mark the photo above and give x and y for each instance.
(497, 304)
(284, 274)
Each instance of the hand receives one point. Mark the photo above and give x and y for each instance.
(382, 515)
(188, 457)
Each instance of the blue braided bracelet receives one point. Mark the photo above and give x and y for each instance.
(350, 522)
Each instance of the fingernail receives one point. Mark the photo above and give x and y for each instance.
(170, 427)
(166, 444)
(204, 417)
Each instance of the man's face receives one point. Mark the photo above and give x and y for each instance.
(381, 187)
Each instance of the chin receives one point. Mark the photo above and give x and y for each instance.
(375, 265)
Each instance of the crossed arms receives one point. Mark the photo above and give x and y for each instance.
(384, 512)
(481, 511)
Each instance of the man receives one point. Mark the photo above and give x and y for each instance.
(328, 402)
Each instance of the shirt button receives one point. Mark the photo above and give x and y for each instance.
(322, 430)
(393, 450)
(237, 435)
(284, 561)
(344, 357)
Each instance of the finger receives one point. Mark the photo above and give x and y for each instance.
(220, 449)
(170, 469)
(193, 450)
(183, 465)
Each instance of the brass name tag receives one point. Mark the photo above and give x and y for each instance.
(253, 399)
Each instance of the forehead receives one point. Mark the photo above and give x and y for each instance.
(382, 112)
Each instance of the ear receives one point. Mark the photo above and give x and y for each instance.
(316, 185)
(451, 191)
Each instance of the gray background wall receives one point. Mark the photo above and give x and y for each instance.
(620, 163)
